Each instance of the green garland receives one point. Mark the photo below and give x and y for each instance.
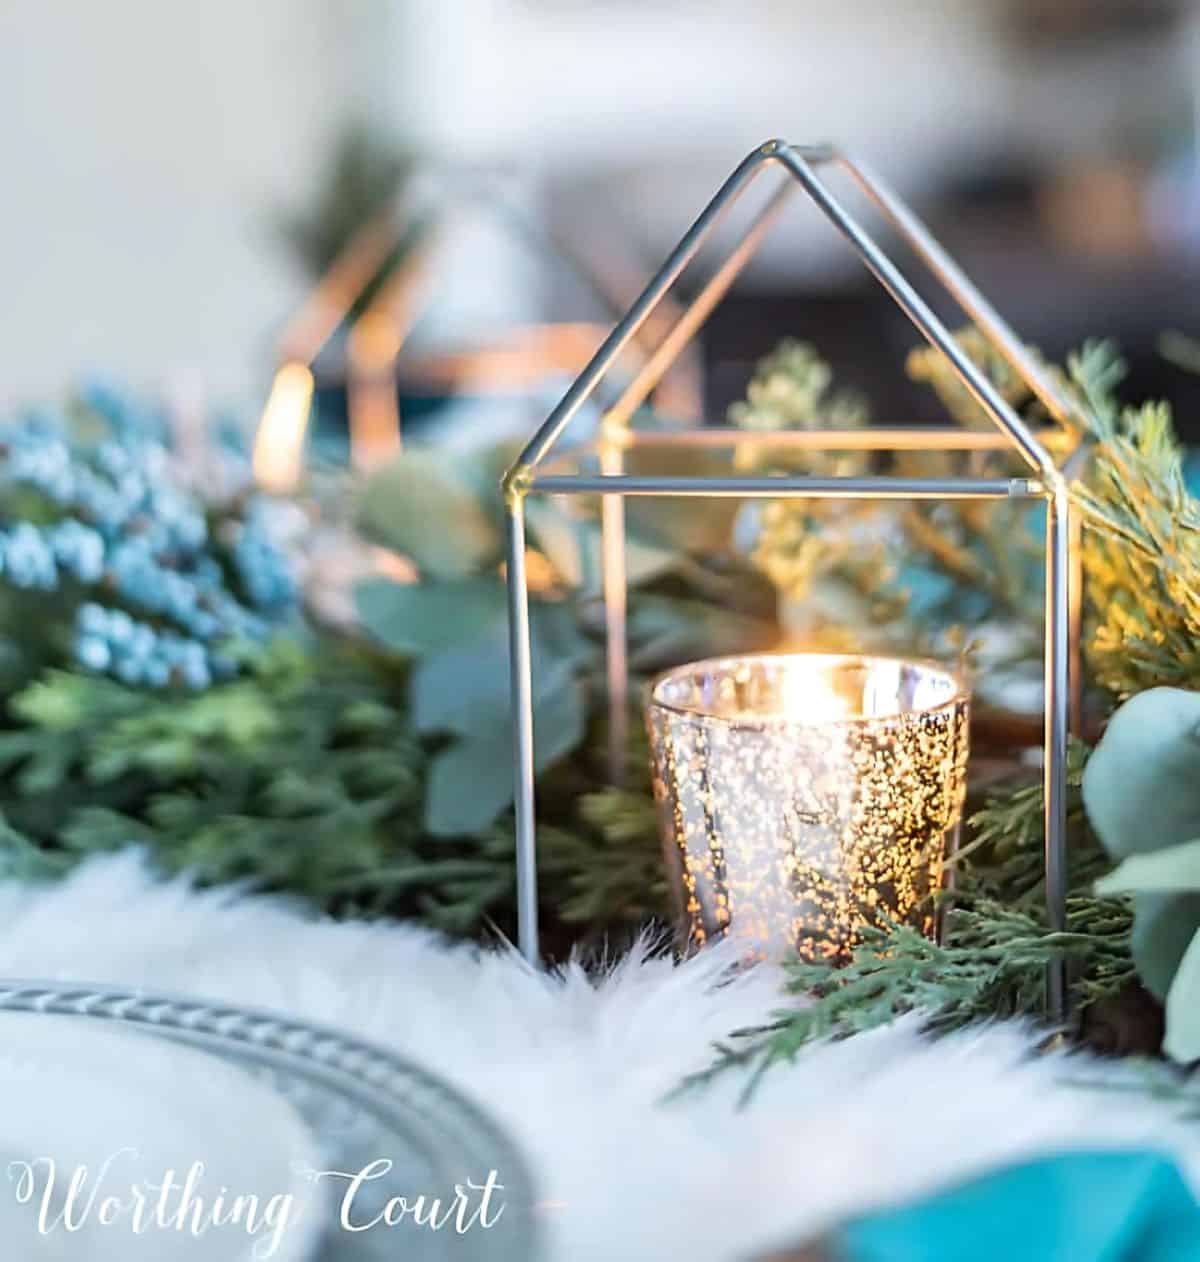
(334, 769)
(306, 777)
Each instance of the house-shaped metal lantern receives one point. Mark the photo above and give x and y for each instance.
(534, 472)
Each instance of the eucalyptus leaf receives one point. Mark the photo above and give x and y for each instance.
(574, 547)
(421, 507)
(482, 470)
(1141, 786)
(682, 524)
(555, 636)
(462, 688)
(459, 631)
(1163, 925)
(1171, 869)
(469, 785)
(471, 782)
(423, 617)
(1141, 789)
(1182, 1041)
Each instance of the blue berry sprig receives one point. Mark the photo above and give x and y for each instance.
(109, 641)
(157, 587)
(261, 566)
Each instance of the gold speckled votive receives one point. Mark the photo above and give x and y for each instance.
(803, 796)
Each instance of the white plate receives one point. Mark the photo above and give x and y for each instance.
(114, 1108)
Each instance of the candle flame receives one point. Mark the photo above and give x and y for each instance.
(279, 443)
(808, 694)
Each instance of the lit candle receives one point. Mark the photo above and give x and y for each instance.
(802, 797)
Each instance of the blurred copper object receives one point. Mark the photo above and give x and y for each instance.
(371, 389)
(1099, 210)
(517, 360)
(603, 260)
(334, 295)
(377, 347)
(376, 340)
(279, 441)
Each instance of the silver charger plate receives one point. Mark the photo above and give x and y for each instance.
(362, 1105)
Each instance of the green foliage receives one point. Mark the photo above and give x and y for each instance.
(420, 507)
(1142, 786)
(1142, 790)
(573, 548)
(902, 573)
(418, 619)
(308, 777)
(670, 522)
(800, 543)
(469, 697)
(1142, 545)
(897, 574)
(1094, 373)
(1142, 556)
(792, 388)
(379, 779)
(452, 625)
(929, 366)
(994, 953)
(1142, 559)
(297, 777)
(992, 962)
(610, 865)
(1007, 834)
(1170, 869)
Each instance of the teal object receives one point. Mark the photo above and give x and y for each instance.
(936, 597)
(1191, 471)
(1081, 1207)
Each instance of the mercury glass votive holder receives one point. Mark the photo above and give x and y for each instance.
(802, 797)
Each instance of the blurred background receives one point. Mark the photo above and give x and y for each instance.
(180, 177)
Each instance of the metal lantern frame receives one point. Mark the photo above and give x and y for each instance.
(533, 473)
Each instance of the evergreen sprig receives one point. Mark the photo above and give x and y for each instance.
(610, 869)
(992, 962)
(903, 574)
(1142, 557)
(298, 777)
(995, 949)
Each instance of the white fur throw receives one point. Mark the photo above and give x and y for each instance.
(575, 1065)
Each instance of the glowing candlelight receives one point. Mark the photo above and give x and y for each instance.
(802, 797)
(279, 444)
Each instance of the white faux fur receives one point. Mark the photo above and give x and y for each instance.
(576, 1065)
